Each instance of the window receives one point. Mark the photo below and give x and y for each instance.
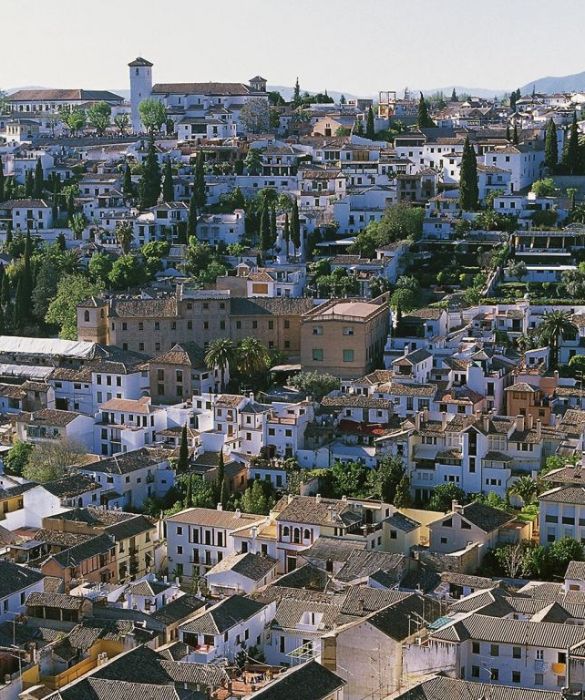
(475, 671)
(494, 650)
(348, 330)
(516, 652)
(348, 355)
(393, 534)
(539, 679)
(494, 674)
(317, 330)
(540, 654)
(475, 647)
(317, 354)
(516, 677)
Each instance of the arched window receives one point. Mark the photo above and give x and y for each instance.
(297, 535)
(307, 534)
(86, 316)
(285, 531)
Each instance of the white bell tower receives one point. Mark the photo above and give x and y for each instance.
(140, 88)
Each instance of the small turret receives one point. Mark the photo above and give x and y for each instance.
(257, 84)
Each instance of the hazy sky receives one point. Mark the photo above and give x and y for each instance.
(357, 46)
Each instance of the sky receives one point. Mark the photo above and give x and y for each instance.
(355, 46)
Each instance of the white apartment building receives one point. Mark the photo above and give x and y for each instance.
(199, 538)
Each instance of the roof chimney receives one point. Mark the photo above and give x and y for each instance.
(520, 423)
(486, 423)
(456, 507)
(290, 498)
(318, 498)
(220, 506)
(237, 513)
(529, 421)
(443, 420)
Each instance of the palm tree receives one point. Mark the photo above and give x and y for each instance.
(124, 235)
(554, 326)
(219, 354)
(525, 488)
(253, 357)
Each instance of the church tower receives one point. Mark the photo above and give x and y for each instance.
(140, 88)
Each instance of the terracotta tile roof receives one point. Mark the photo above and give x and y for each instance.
(209, 517)
(219, 89)
(141, 405)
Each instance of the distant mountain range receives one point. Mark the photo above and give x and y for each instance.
(564, 83)
(551, 84)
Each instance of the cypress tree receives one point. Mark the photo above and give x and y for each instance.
(272, 227)
(286, 231)
(150, 183)
(515, 136)
(27, 276)
(454, 97)
(508, 133)
(5, 291)
(265, 235)
(39, 181)
(468, 188)
(297, 93)
(55, 200)
(220, 481)
(127, 186)
(70, 205)
(8, 188)
(571, 155)
(551, 148)
(192, 219)
(29, 183)
(199, 184)
(2, 188)
(370, 128)
(424, 120)
(168, 193)
(358, 127)
(61, 243)
(20, 304)
(183, 461)
(8, 233)
(295, 226)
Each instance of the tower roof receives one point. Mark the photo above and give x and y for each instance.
(139, 61)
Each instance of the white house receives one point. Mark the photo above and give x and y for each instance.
(199, 538)
(16, 583)
(241, 573)
(133, 475)
(226, 628)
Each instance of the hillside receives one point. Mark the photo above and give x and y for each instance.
(551, 84)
